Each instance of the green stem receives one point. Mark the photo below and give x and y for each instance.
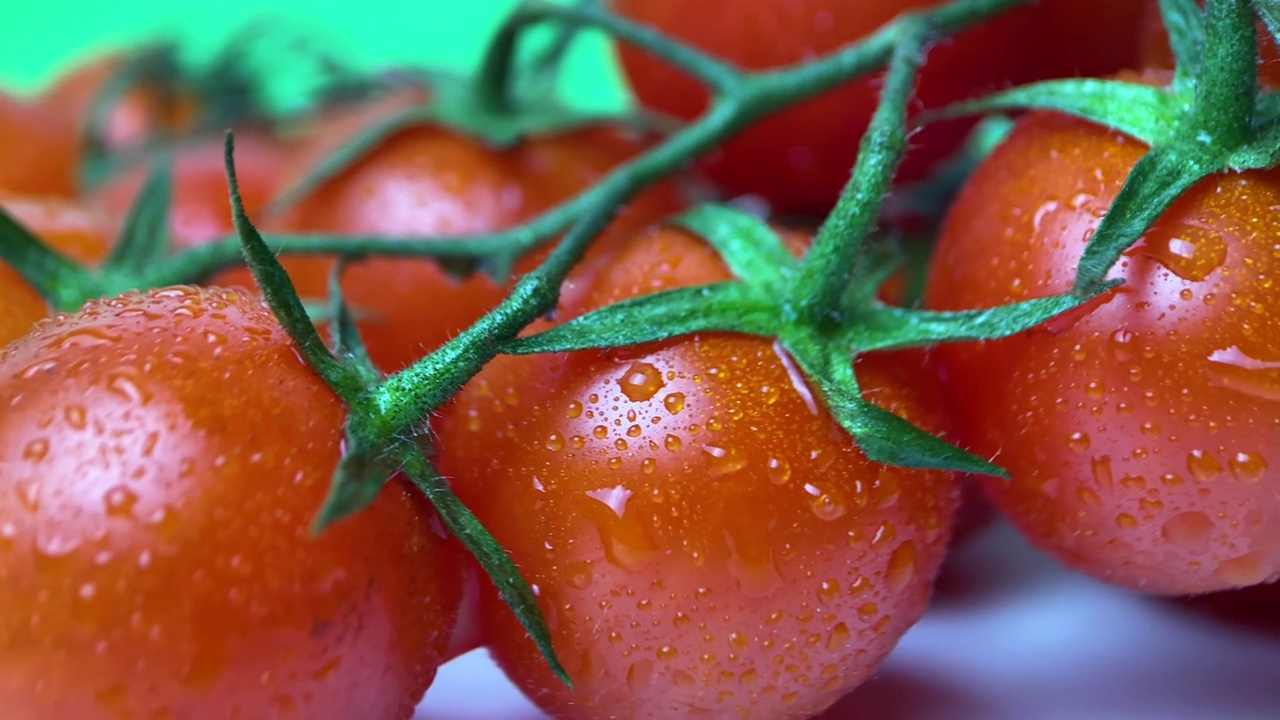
(493, 81)
(1227, 85)
(58, 279)
(828, 266)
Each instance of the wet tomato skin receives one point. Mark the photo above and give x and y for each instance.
(428, 181)
(155, 546)
(1141, 432)
(66, 226)
(703, 537)
(35, 157)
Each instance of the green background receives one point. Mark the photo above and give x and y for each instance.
(44, 39)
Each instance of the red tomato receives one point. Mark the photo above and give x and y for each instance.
(702, 536)
(1077, 38)
(140, 113)
(1155, 52)
(1140, 432)
(201, 209)
(164, 455)
(800, 159)
(34, 155)
(67, 227)
(427, 181)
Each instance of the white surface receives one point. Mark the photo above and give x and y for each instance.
(1013, 636)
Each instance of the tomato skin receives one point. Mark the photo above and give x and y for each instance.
(34, 156)
(701, 538)
(201, 209)
(800, 159)
(1139, 431)
(66, 226)
(426, 181)
(1078, 38)
(155, 546)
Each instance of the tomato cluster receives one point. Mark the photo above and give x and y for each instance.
(701, 531)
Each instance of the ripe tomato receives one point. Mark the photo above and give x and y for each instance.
(163, 456)
(140, 113)
(1077, 38)
(1155, 52)
(201, 209)
(703, 537)
(34, 155)
(66, 226)
(1140, 431)
(800, 159)
(426, 181)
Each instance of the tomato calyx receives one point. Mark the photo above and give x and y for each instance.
(823, 308)
(1209, 118)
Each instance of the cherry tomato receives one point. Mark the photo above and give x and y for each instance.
(201, 209)
(703, 537)
(164, 456)
(67, 227)
(143, 111)
(1155, 52)
(34, 155)
(800, 159)
(427, 181)
(1142, 431)
(1077, 38)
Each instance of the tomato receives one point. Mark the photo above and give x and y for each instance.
(34, 155)
(1077, 38)
(702, 536)
(164, 455)
(66, 226)
(800, 159)
(201, 209)
(426, 181)
(143, 111)
(1155, 51)
(1139, 431)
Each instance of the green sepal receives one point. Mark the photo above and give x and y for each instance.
(1141, 111)
(343, 332)
(1184, 23)
(280, 295)
(750, 248)
(497, 564)
(1262, 153)
(58, 279)
(1155, 181)
(144, 239)
(361, 473)
(882, 436)
(885, 327)
(727, 307)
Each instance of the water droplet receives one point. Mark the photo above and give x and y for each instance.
(1095, 389)
(1122, 345)
(555, 442)
(1133, 483)
(75, 416)
(1088, 497)
(620, 445)
(779, 471)
(672, 443)
(120, 501)
(1203, 466)
(1232, 368)
(724, 461)
(36, 450)
(667, 652)
(128, 388)
(648, 465)
(838, 637)
(600, 432)
(1192, 254)
(828, 591)
(1191, 529)
(795, 377)
(1171, 480)
(86, 337)
(578, 575)
(1125, 521)
(867, 611)
(1102, 471)
(615, 498)
(1246, 570)
(1150, 428)
(826, 504)
(641, 381)
(574, 409)
(674, 402)
(28, 495)
(1247, 467)
(902, 566)
(1078, 442)
(1149, 506)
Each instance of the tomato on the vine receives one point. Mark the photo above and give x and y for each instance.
(1141, 432)
(163, 457)
(800, 158)
(703, 537)
(426, 181)
(66, 226)
(1154, 50)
